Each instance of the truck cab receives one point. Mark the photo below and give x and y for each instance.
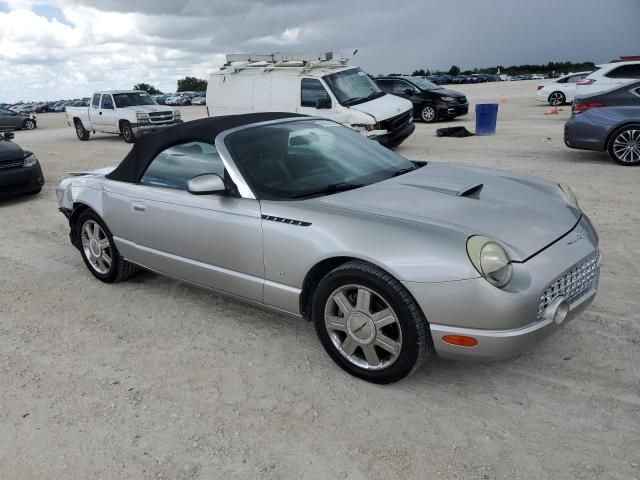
(312, 85)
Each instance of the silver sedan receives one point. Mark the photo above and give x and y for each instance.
(393, 260)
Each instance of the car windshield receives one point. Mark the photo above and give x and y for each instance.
(352, 86)
(308, 158)
(424, 84)
(132, 99)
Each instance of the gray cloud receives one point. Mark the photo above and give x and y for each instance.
(116, 43)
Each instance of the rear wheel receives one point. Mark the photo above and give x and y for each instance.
(369, 324)
(81, 132)
(428, 114)
(624, 145)
(98, 251)
(127, 132)
(556, 99)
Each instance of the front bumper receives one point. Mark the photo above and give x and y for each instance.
(452, 110)
(140, 130)
(505, 321)
(15, 181)
(395, 138)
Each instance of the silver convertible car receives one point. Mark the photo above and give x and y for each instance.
(393, 260)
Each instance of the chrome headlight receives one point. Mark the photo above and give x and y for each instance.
(448, 99)
(177, 115)
(363, 127)
(142, 118)
(490, 259)
(571, 197)
(30, 161)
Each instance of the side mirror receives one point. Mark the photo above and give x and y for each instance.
(323, 103)
(409, 91)
(9, 135)
(206, 184)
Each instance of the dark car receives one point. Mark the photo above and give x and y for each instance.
(15, 121)
(609, 122)
(20, 170)
(431, 102)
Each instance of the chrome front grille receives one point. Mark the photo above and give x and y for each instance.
(161, 117)
(574, 283)
(12, 164)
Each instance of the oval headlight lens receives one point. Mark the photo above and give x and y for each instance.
(490, 259)
(495, 264)
(30, 161)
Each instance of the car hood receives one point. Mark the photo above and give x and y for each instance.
(445, 92)
(523, 213)
(147, 108)
(384, 107)
(10, 151)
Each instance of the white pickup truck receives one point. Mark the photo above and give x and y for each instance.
(129, 113)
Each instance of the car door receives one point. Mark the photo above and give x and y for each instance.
(404, 89)
(210, 240)
(313, 94)
(107, 119)
(9, 119)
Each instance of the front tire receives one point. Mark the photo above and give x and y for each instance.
(29, 124)
(556, 99)
(429, 113)
(369, 324)
(99, 252)
(127, 132)
(624, 145)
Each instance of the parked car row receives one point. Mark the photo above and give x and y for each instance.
(44, 107)
(181, 98)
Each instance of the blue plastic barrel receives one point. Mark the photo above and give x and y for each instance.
(486, 118)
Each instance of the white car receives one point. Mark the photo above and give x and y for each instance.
(561, 90)
(608, 77)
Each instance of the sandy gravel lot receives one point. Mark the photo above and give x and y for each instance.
(153, 379)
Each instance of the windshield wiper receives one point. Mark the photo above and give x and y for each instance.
(348, 101)
(327, 189)
(402, 171)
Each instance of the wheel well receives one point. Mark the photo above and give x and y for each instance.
(121, 123)
(78, 208)
(313, 278)
(616, 130)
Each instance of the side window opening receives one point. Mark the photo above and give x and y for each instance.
(106, 101)
(175, 166)
(312, 90)
(95, 103)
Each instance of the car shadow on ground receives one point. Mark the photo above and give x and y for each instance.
(17, 199)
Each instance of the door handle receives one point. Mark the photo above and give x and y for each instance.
(138, 207)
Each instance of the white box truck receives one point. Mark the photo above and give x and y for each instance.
(311, 84)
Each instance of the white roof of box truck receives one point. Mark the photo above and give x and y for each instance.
(314, 65)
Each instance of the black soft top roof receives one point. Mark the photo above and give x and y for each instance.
(147, 147)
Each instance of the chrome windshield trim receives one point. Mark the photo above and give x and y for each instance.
(243, 187)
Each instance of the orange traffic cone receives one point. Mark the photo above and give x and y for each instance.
(553, 111)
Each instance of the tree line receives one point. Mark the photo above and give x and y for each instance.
(186, 84)
(548, 68)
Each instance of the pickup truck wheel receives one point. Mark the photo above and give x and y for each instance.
(83, 135)
(29, 124)
(127, 132)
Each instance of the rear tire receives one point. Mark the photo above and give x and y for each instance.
(556, 99)
(83, 135)
(98, 250)
(624, 145)
(127, 132)
(369, 324)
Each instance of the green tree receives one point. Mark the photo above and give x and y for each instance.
(150, 89)
(454, 70)
(192, 84)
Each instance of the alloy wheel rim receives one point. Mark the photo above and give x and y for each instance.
(556, 99)
(626, 146)
(363, 328)
(428, 114)
(96, 247)
(29, 125)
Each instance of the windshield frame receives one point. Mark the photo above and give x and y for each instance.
(247, 190)
(329, 80)
(418, 82)
(127, 94)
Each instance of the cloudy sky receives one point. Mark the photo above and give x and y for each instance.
(51, 49)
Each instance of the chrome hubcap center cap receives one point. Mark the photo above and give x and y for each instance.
(361, 327)
(95, 247)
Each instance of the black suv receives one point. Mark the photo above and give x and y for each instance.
(431, 102)
(20, 170)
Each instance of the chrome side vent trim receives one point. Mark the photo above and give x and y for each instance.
(288, 221)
